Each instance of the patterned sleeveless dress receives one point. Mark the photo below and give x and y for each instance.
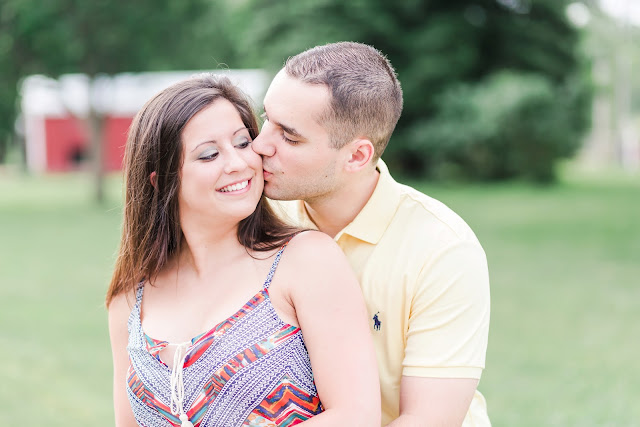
(252, 369)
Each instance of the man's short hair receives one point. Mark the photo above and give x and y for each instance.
(366, 97)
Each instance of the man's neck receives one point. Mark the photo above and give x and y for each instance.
(333, 213)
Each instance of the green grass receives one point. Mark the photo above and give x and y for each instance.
(565, 284)
(565, 327)
(56, 252)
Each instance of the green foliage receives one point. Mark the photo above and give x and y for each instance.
(439, 48)
(7, 117)
(508, 125)
(99, 36)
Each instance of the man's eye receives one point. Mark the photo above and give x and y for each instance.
(289, 141)
(264, 117)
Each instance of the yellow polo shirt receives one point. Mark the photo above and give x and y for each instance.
(425, 281)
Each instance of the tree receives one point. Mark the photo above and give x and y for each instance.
(612, 43)
(435, 46)
(103, 37)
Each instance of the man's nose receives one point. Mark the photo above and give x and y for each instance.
(263, 144)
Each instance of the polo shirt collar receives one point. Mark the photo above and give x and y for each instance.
(374, 218)
(376, 215)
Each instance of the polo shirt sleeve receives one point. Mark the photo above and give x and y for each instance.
(448, 323)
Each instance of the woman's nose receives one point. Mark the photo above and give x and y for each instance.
(234, 162)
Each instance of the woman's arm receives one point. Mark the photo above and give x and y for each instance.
(118, 315)
(332, 315)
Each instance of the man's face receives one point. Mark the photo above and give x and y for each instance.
(298, 161)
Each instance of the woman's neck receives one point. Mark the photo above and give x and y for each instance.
(204, 250)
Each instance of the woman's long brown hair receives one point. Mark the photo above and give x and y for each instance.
(151, 233)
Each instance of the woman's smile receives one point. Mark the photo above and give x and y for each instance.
(237, 187)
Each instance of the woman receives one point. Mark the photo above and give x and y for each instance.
(199, 243)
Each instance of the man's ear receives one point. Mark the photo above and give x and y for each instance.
(361, 153)
(153, 178)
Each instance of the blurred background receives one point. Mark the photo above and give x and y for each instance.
(521, 115)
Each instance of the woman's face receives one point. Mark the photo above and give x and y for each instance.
(221, 176)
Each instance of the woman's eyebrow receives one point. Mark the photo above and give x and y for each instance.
(213, 141)
(239, 129)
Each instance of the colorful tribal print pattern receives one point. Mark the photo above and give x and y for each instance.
(250, 370)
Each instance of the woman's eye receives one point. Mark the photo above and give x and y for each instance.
(244, 144)
(208, 155)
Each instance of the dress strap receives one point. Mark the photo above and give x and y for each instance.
(139, 291)
(267, 282)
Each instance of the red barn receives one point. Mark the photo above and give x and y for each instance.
(54, 113)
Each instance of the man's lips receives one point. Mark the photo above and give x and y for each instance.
(266, 174)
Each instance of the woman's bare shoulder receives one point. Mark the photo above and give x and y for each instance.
(316, 255)
(312, 240)
(122, 304)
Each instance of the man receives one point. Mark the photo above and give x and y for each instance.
(329, 114)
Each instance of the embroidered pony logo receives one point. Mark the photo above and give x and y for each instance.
(376, 322)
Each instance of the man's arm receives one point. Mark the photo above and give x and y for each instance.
(447, 337)
(434, 402)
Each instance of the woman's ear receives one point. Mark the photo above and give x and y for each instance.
(153, 178)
